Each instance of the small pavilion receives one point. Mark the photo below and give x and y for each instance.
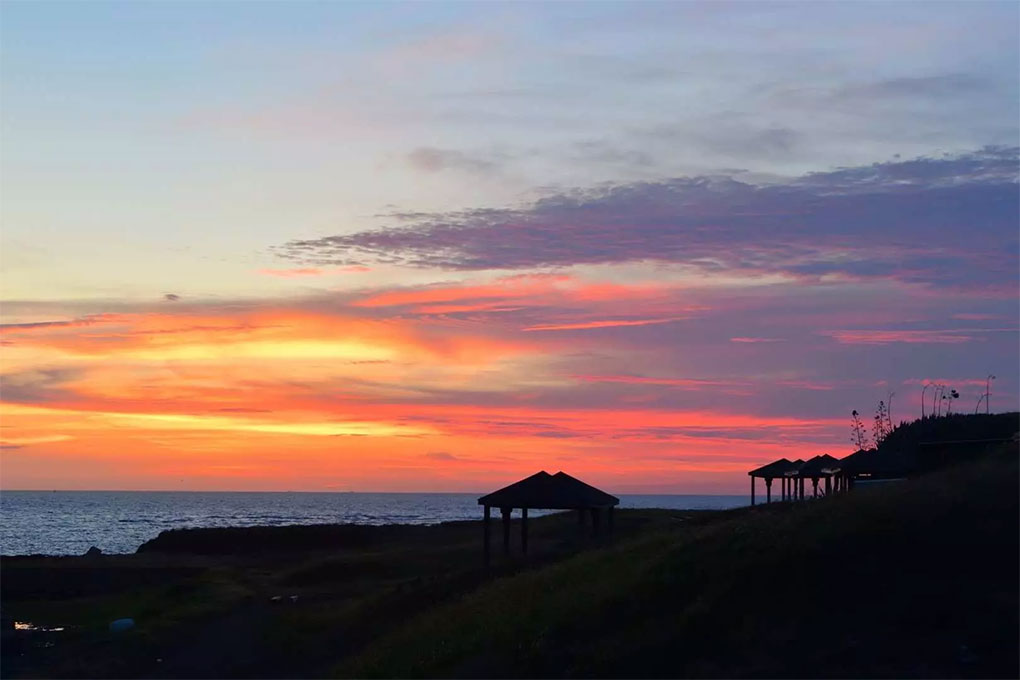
(542, 491)
(792, 489)
(793, 473)
(820, 467)
(783, 468)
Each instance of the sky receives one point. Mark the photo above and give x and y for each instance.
(441, 246)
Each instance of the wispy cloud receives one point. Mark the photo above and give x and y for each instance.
(937, 337)
(605, 323)
(292, 273)
(692, 383)
(939, 221)
(430, 159)
(441, 455)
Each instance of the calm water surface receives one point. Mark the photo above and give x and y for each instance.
(69, 522)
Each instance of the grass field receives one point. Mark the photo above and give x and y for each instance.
(915, 579)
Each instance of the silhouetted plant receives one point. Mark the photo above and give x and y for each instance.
(936, 400)
(948, 398)
(857, 433)
(988, 393)
(880, 427)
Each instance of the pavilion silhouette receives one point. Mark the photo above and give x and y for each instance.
(542, 491)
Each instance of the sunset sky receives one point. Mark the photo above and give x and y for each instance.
(439, 247)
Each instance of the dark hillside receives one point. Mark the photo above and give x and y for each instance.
(956, 427)
(916, 579)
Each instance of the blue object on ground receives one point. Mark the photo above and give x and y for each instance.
(121, 625)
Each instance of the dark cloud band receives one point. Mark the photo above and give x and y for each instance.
(949, 220)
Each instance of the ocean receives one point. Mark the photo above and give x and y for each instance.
(70, 522)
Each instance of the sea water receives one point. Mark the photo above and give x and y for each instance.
(69, 522)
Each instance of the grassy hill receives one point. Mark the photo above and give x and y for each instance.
(916, 579)
(955, 427)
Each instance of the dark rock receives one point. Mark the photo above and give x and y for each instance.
(93, 552)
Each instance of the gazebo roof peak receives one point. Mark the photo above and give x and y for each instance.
(551, 492)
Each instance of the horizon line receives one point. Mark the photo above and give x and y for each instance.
(461, 493)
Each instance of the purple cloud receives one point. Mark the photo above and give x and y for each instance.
(950, 220)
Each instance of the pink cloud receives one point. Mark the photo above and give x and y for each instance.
(586, 325)
(807, 385)
(642, 380)
(929, 337)
(756, 340)
(292, 273)
(313, 271)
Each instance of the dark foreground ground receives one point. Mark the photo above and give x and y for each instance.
(917, 579)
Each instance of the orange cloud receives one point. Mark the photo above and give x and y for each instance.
(502, 289)
(585, 325)
(540, 289)
(327, 393)
(641, 380)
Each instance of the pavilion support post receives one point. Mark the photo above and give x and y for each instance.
(782, 488)
(752, 489)
(802, 488)
(524, 530)
(828, 486)
(768, 489)
(580, 520)
(485, 533)
(595, 512)
(609, 519)
(506, 529)
(814, 484)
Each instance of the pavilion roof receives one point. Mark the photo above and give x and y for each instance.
(876, 462)
(552, 492)
(819, 466)
(777, 468)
